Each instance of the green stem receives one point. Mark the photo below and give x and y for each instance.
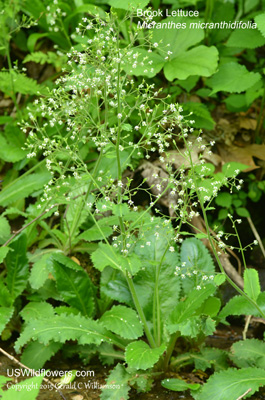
(170, 348)
(140, 310)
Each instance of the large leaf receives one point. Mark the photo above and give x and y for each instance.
(36, 310)
(105, 255)
(158, 268)
(176, 41)
(232, 78)
(248, 353)
(201, 60)
(231, 384)
(64, 327)
(117, 385)
(74, 284)
(23, 187)
(186, 309)
(36, 354)
(246, 38)
(20, 391)
(17, 266)
(139, 355)
(10, 152)
(123, 321)
(239, 305)
(196, 261)
(251, 283)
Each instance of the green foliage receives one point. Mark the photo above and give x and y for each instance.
(233, 78)
(23, 187)
(231, 384)
(117, 385)
(139, 355)
(21, 390)
(251, 283)
(19, 83)
(178, 385)
(123, 321)
(248, 353)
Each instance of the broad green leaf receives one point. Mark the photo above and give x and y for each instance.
(64, 327)
(246, 38)
(242, 212)
(128, 4)
(32, 40)
(186, 309)
(20, 391)
(5, 231)
(248, 353)
(113, 284)
(200, 60)
(211, 307)
(36, 310)
(105, 255)
(158, 268)
(23, 187)
(239, 305)
(178, 385)
(139, 355)
(260, 21)
(95, 234)
(233, 168)
(194, 257)
(224, 199)
(123, 321)
(179, 40)
(74, 286)
(117, 385)
(10, 152)
(5, 315)
(251, 283)
(232, 78)
(17, 266)
(36, 354)
(231, 384)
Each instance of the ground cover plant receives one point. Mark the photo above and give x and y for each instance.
(107, 175)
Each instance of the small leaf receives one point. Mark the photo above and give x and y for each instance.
(251, 283)
(5, 230)
(17, 266)
(178, 385)
(140, 356)
(20, 391)
(3, 253)
(123, 321)
(219, 279)
(248, 353)
(5, 315)
(95, 234)
(117, 387)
